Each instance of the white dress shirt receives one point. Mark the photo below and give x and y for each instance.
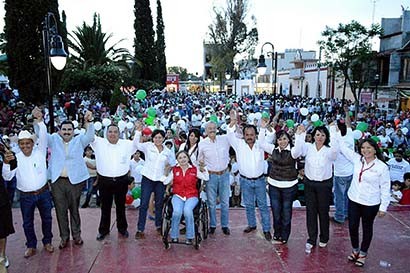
(113, 160)
(155, 161)
(250, 160)
(371, 182)
(31, 171)
(215, 153)
(318, 163)
(342, 166)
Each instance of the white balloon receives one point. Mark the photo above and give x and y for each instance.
(357, 134)
(97, 125)
(304, 111)
(75, 123)
(122, 125)
(315, 117)
(258, 115)
(136, 203)
(106, 122)
(130, 125)
(404, 130)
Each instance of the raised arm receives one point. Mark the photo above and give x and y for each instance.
(301, 147)
(89, 136)
(40, 129)
(263, 143)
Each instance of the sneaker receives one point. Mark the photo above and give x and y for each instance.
(139, 235)
(268, 236)
(174, 240)
(188, 242)
(308, 247)
(6, 262)
(321, 244)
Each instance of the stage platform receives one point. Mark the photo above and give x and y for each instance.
(238, 252)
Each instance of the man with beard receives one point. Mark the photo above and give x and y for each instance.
(68, 173)
(250, 158)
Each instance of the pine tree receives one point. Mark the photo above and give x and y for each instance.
(24, 46)
(160, 47)
(144, 41)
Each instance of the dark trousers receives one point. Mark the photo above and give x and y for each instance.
(318, 196)
(67, 198)
(112, 189)
(281, 200)
(147, 187)
(367, 214)
(28, 204)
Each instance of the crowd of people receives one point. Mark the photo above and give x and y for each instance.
(247, 151)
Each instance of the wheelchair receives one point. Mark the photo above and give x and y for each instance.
(200, 221)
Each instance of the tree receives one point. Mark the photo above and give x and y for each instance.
(23, 35)
(89, 46)
(144, 41)
(181, 71)
(230, 34)
(348, 50)
(160, 48)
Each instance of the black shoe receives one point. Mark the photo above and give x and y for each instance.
(212, 230)
(188, 242)
(277, 238)
(84, 206)
(226, 231)
(101, 237)
(139, 235)
(268, 236)
(124, 234)
(174, 241)
(249, 229)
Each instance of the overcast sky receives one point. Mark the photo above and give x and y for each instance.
(285, 23)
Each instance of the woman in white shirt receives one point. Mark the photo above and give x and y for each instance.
(319, 157)
(369, 194)
(191, 146)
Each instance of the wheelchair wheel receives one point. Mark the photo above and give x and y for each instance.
(204, 220)
(166, 225)
(198, 231)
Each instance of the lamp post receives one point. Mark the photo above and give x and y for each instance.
(262, 69)
(55, 54)
(376, 79)
(227, 77)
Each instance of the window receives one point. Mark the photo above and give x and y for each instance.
(406, 69)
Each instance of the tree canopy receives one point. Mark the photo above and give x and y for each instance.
(348, 49)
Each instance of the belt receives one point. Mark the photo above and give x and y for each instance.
(37, 192)
(63, 177)
(254, 178)
(218, 173)
(112, 178)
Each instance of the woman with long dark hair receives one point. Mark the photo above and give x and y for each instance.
(191, 145)
(318, 180)
(368, 194)
(282, 179)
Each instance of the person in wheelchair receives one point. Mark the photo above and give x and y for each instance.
(183, 178)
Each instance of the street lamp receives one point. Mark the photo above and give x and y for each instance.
(376, 79)
(55, 54)
(262, 69)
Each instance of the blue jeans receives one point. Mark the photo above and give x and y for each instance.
(147, 187)
(341, 186)
(89, 184)
(255, 190)
(28, 203)
(281, 200)
(187, 208)
(218, 184)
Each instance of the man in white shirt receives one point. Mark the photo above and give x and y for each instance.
(250, 158)
(398, 166)
(113, 156)
(31, 173)
(342, 171)
(196, 119)
(214, 152)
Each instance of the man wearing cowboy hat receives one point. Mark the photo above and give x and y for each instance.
(31, 173)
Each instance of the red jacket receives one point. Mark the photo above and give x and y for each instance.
(185, 185)
(405, 200)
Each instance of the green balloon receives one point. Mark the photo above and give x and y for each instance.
(151, 112)
(318, 123)
(149, 120)
(362, 126)
(141, 94)
(265, 115)
(214, 118)
(290, 123)
(375, 138)
(136, 192)
(350, 114)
